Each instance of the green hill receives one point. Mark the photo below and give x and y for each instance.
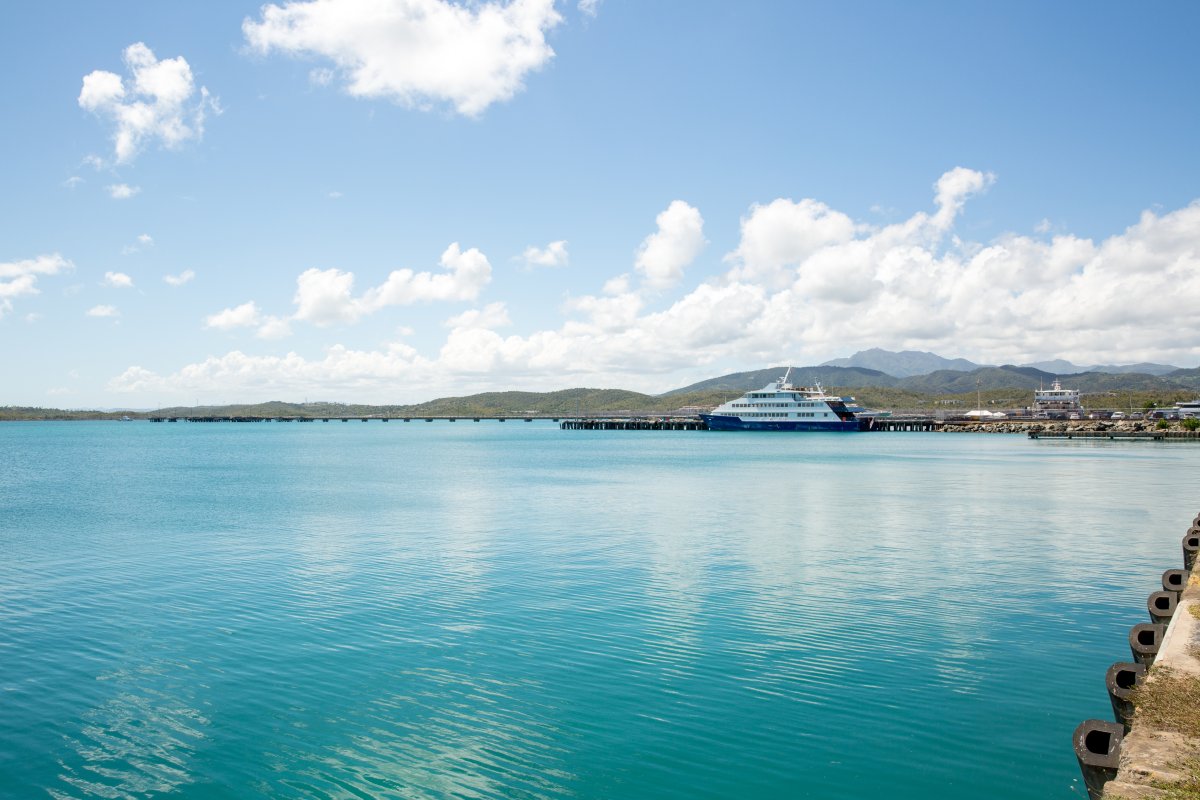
(801, 376)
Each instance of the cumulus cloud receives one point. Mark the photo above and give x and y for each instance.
(158, 102)
(552, 255)
(19, 278)
(122, 191)
(249, 315)
(341, 367)
(274, 328)
(118, 280)
(844, 285)
(180, 279)
(242, 316)
(589, 7)
(665, 254)
(414, 52)
(325, 297)
(953, 189)
(780, 235)
(103, 311)
(493, 315)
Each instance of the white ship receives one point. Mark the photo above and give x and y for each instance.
(1057, 401)
(780, 406)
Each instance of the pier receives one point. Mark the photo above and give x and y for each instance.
(523, 418)
(634, 424)
(651, 423)
(1150, 749)
(901, 423)
(1152, 435)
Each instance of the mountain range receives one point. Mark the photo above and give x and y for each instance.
(929, 373)
(907, 363)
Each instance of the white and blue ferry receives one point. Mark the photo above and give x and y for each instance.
(780, 406)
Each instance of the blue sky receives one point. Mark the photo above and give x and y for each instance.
(392, 200)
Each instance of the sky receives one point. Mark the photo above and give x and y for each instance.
(387, 201)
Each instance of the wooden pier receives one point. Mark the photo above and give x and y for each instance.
(346, 419)
(648, 423)
(630, 423)
(634, 424)
(905, 423)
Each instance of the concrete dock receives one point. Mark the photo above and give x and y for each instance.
(1152, 751)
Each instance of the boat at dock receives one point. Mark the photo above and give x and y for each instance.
(1057, 402)
(780, 406)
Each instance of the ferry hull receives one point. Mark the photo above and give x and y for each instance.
(719, 422)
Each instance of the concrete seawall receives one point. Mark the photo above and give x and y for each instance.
(1159, 748)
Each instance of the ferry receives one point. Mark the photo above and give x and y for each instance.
(780, 406)
(1057, 401)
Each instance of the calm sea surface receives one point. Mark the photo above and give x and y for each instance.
(509, 610)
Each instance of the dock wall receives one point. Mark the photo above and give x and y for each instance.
(1152, 751)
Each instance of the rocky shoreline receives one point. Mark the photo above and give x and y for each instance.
(1074, 426)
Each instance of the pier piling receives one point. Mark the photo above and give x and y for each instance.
(1144, 641)
(1098, 748)
(1121, 679)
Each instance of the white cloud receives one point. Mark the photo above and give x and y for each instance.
(236, 371)
(589, 7)
(72, 181)
(144, 240)
(123, 191)
(157, 103)
(552, 255)
(249, 315)
(665, 253)
(274, 328)
(618, 285)
(780, 235)
(118, 280)
(335, 195)
(415, 52)
(103, 311)
(32, 317)
(19, 278)
(42, 265)
(493, 315)
(907, 285)
(325, 297)
(180, 279)
(953, 189)
(243, 316)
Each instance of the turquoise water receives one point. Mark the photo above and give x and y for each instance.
(509, 610)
